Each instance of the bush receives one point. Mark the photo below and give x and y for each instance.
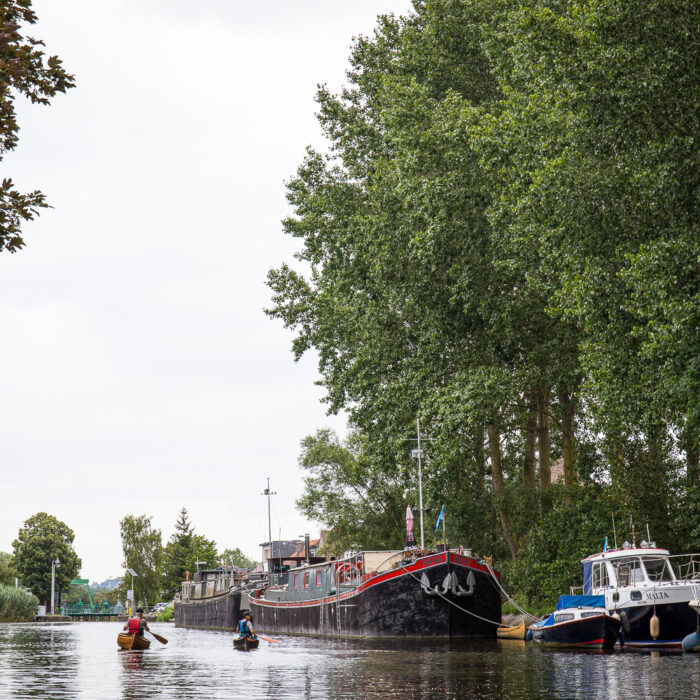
(551, 560)
(16, 605)
(166, 615)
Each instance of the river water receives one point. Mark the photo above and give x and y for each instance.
(81, 660)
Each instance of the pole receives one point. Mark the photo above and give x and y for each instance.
(269, 493)
(53, 579)
(420, 486)
(444, 536)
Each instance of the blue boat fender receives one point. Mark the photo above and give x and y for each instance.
(528, 636)
(691, 642)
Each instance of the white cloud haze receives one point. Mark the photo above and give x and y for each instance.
(138, 372)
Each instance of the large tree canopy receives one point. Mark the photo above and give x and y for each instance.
(43, 539)
(503, 238)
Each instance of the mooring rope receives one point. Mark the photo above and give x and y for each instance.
(508, 597)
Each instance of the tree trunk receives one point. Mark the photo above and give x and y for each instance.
(499, 490)
(529, 458)
(529, 487)
(689, 444)
(692, 457)
(544, 448)
(568, 445)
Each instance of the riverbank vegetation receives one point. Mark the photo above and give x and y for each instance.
(503, 239)
(16, 605)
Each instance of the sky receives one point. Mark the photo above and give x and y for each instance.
(138, 371)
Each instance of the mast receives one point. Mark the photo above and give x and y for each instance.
(420, 484)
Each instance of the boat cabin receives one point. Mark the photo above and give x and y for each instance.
(638, 567)
(209, 583)
(330, 577)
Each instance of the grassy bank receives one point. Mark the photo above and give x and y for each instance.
(17, 605)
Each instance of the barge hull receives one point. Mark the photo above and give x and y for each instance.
(393, 605)
(220, 613)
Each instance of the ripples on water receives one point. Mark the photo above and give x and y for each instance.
(81, 660)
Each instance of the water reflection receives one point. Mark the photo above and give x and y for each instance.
(82, 660)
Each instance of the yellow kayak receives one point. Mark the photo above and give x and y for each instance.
(516, 632)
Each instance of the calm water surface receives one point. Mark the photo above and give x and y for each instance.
(81, 660)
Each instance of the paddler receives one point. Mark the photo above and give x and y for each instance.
(137, 625)
(245, 628)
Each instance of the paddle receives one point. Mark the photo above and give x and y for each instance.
(269, 639)
(162, 640)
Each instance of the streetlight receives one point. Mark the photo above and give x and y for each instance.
(54, 564)
(130, 594)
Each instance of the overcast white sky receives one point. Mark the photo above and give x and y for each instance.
(138, 372)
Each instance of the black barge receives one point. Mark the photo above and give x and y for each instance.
(447, 595)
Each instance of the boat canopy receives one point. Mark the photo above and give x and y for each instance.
(573, 601)
(580, 601)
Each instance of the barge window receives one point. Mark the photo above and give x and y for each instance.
(657, 570)
(593, 613)
(318, 578)
(307, 576)
(296, 580)
(563, 617)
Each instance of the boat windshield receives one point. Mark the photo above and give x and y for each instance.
(657, 569)
(629, 572)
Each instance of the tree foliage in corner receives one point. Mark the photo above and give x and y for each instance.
(42, 539)
(503, 238)
(24, 70)
(142, 547)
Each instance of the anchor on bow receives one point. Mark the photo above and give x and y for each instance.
(450, 584)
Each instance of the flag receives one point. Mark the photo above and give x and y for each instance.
(439, 520)
(605, 545)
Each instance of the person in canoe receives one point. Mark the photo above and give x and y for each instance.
(137, 625)
(245, 628)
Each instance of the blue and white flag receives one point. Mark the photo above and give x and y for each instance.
(605, 545)
(439, 520)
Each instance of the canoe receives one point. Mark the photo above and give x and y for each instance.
(245, 643)
(516, 632)
(132, 641)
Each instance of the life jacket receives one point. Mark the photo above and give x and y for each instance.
(134, 625)
(243, 626)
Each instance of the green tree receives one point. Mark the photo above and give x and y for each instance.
(24, 70)
(143, 552)
(8, 573)
(503, 238)
(362, 503)
(239, 559)
(182, 552)
(42, 539)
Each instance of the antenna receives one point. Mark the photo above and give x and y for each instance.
(648, 535)
(632, 531)
(269, 493)
(614, 533)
